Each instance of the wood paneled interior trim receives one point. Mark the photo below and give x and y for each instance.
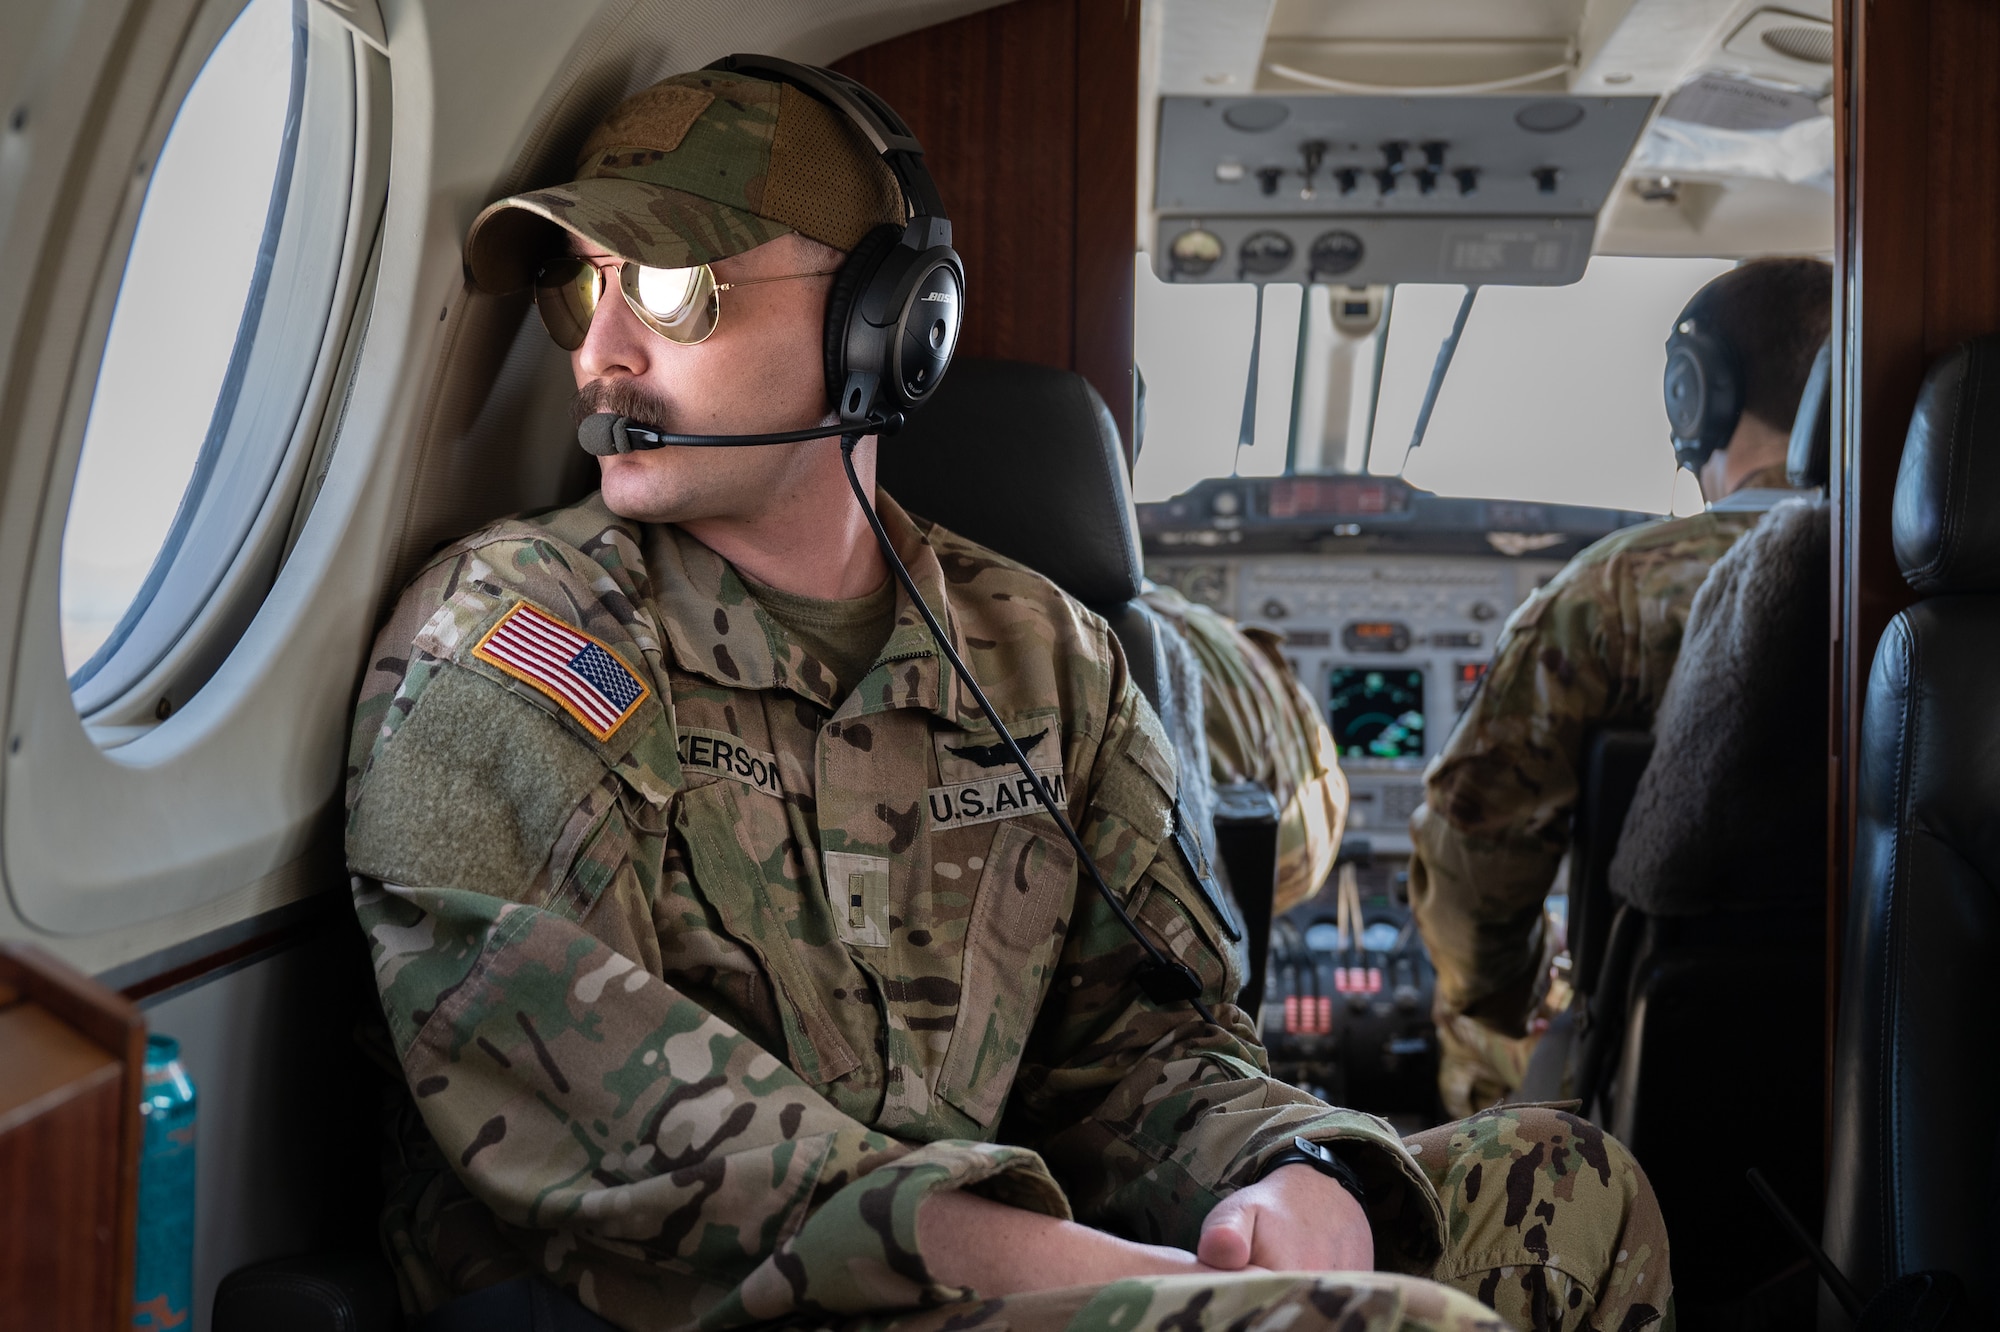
(1917, 261)
(289, 929)
(87, 1146)
(1028, 114)
(48, 1062)
(1107, 184)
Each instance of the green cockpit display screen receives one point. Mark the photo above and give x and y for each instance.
(1376, 712)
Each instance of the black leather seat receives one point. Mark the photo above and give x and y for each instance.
(1807, 458)
(1697, 884)
(1915, 1168)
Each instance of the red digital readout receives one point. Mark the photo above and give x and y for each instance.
(1315, 497)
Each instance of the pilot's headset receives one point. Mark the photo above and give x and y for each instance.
(1704, 382)
(892, 318)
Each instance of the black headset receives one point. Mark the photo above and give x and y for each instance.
(893, 316)
(1704, 388)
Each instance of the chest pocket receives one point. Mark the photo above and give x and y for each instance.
(1012, 940)
(731, 832)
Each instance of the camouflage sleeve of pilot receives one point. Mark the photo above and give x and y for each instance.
(1148, 1115)
(1498, 798)
(640, 1150)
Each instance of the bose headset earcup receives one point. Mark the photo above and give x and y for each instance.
(1703, 396)
(855, 276)
(1686, 395)
(895, 311)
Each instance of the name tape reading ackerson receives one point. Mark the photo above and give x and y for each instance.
(726, 756)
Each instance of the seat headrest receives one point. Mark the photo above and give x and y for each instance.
(1025, 460)
(1946, 523)
(1806, 461)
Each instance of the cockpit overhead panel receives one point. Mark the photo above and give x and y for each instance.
(1312, 187)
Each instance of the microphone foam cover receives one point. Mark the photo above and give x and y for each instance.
(602, 434)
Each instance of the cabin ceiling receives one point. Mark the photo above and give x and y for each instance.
(1700, 189)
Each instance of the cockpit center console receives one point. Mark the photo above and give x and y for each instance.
(1388, 601)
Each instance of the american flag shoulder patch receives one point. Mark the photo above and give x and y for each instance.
(583, 676)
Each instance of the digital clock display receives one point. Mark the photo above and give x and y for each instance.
(1375, 636)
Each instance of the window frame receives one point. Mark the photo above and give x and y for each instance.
(113, 825)
(221, 552)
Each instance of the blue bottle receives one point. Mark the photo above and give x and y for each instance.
(163, 1297)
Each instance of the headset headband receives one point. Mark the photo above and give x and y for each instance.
(878, 122)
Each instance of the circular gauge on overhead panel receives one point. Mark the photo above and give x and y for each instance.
(1256, 116)
(1265, 253)
(1335, 253)
(1548, 117)
(1194, 252)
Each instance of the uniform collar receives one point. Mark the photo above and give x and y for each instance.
(717, 629)
(1760, 491)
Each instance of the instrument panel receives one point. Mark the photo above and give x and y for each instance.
(1388, 601)
(1391, 646)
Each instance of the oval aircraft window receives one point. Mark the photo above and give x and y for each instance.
(218, 326)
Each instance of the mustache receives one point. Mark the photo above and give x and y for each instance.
(621, 397)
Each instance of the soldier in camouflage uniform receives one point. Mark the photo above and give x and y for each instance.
(726, 962)
(1263, 727)
(1591, 649)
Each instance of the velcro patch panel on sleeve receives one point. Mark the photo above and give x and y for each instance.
(727, 756)
(584, 676)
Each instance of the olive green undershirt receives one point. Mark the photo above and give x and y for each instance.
(845, 636)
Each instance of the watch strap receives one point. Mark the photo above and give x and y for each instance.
(1305, 1152)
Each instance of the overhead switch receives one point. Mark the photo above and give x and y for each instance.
(1546, 178)
(1468, 180)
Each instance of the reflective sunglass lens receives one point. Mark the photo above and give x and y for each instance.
(679, 304)
(566, 292)
(665, 292)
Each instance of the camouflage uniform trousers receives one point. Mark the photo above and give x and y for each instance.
(1551, 1225)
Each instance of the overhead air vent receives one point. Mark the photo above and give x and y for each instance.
(1811, 43)
(1777, 44)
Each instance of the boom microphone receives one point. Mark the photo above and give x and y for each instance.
(603, 434)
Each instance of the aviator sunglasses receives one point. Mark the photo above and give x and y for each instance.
(680, 304)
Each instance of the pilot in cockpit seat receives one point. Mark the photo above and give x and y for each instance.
(1595, 648)
(736, 977)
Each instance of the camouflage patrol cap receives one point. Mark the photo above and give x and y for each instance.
(696, 168)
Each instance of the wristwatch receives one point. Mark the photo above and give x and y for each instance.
(1308, 1153)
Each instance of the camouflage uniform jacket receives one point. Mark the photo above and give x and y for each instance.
(1263, 727)
(1594, 647)
(701, 1004)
